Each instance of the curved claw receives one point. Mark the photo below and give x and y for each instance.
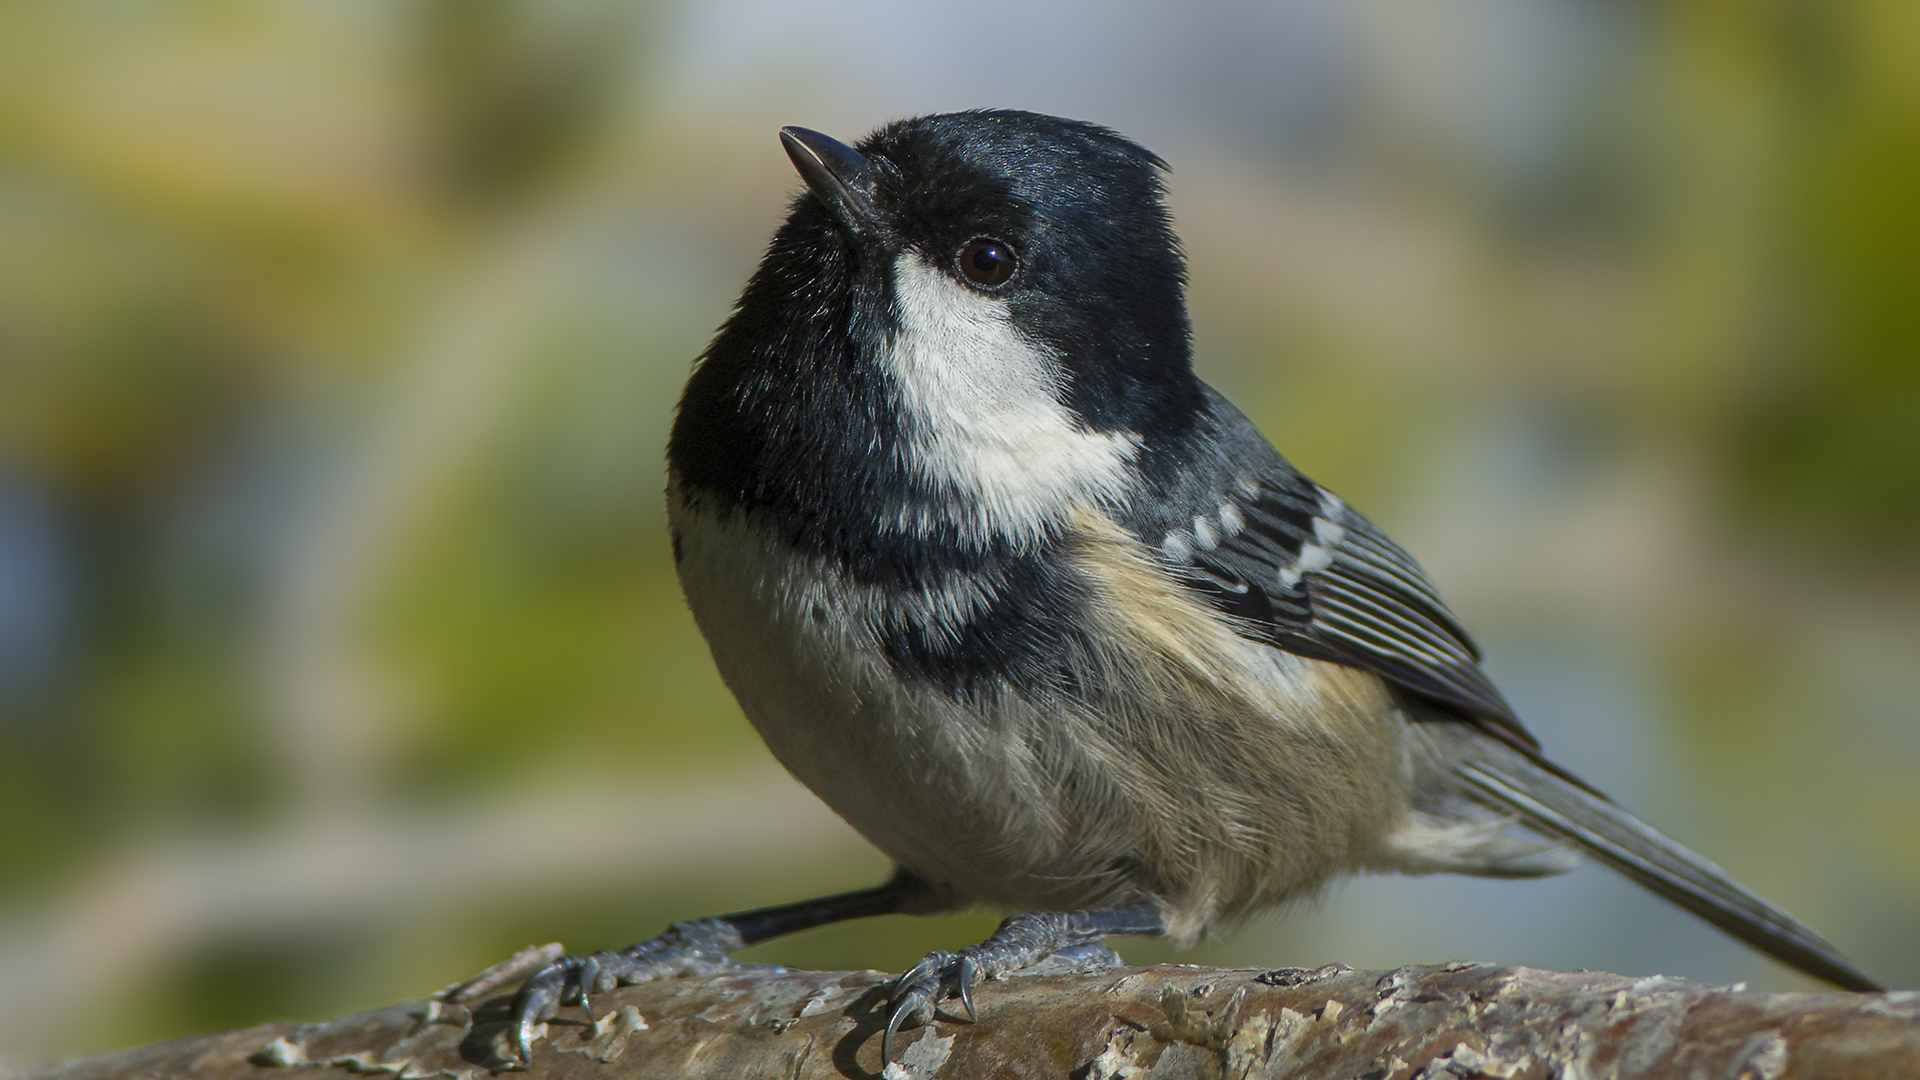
(886, 1037)
(535, 1005)
(909, 1004)
(964, 978)
(917, 994)
(587, 980)
(539, 1000)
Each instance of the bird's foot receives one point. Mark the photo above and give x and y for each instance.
(1021, 943)
(699, 947)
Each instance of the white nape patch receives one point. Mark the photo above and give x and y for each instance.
(1327, 535)
(984, 411)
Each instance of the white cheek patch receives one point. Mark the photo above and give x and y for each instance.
(984, 414)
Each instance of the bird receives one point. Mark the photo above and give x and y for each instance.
(1045, 618)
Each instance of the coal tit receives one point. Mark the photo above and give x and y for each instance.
(1044, 617)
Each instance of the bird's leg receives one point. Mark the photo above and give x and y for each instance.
(697, 947)
(1021, 942)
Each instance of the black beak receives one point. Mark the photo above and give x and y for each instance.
(837, 174)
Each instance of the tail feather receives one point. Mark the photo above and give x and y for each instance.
(1551, 804)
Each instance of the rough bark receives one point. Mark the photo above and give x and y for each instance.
(1415, 1023)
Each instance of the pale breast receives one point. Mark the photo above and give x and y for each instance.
(1173, 759)
(942, 785)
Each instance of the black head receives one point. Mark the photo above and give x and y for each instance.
(918, 261)
(1062, 221)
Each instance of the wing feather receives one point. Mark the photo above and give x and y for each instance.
(1315, 577)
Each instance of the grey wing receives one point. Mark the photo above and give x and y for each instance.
(1297, 568)
(1310, 575)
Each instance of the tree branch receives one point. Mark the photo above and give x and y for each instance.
(1414, 1023)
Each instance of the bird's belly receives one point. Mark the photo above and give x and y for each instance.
(915, 772)
(1029, 804)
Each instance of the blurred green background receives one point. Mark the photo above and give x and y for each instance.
(340, 652)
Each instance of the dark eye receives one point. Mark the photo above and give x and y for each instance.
(987, 262)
